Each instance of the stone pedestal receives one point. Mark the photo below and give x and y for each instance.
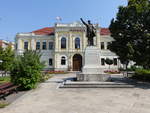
(92, 69)
(91, 60)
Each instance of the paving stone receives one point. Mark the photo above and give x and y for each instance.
(47, 98)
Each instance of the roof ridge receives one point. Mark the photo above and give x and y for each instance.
(50, 31)
(44, 31)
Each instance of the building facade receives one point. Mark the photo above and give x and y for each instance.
(4, 44)
(63, 45)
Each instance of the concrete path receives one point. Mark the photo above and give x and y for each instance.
(49, 99)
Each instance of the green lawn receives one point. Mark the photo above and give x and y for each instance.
(4, 79)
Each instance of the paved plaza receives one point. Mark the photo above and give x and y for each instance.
(48, 98)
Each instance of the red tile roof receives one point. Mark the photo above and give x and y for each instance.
(44, 31)
(104, 31)
(50, 31)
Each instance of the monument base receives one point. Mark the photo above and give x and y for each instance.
(92, 70)
(93, 77)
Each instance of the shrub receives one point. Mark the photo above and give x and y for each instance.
(142, 74)
(4, 79)
(45, 77)
(26, 70)
(6, 58)
(132, 68)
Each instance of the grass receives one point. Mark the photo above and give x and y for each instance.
(3, 104)
(45, 77)
(4, 79)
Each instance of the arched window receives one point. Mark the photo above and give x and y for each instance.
(63, 43)
(63, 60)
(77, 43)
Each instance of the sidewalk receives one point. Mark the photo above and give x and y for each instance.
(47, 98)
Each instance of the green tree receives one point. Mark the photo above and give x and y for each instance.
(26, 70)
(109, 62)
(6, 58)
(1, 57)
(131, 33)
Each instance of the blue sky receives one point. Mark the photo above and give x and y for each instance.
(28, 15)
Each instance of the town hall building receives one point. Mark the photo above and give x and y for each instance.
(62, 46)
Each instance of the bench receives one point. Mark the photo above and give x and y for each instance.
(6, 89)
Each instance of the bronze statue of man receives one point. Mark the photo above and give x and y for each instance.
(90, 32)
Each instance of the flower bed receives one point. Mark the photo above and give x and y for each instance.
(112, 71)
(56, 72)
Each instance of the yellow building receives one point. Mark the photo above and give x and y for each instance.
(63, 45)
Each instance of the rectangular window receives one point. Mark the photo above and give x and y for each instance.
(44, 46)
(26, 45)
(63, 61)
(102, 61)
(50, 62)
(102, 45)
(108, 43)
(115, 61)
(51, 45)
(37, 45)
(16, 46)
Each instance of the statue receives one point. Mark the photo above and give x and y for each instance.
(90, 32)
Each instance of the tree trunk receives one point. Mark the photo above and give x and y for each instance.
(127, 67)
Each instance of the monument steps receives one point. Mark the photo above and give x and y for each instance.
(95, 85)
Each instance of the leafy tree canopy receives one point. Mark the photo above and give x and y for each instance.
(6, 58)
(131, 33)
(26, 70)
